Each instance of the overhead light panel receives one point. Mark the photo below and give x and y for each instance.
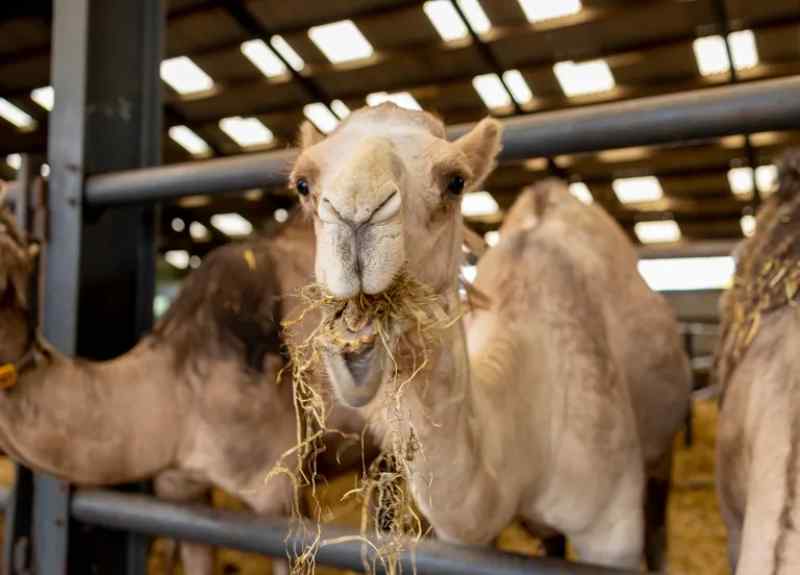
(402, 99)
(177, 258)
(635, 190)
(767, 178)
(340, 109)
(189, 141)
(740, 181)
(518, 86)
(247, 132)
(584, 78)
(492, 238)
(748, 224)
(280, 215)
(263, 58)
(44, 96)
(469, 273)
(539, 10)
(581, 191)
(14, 161)
(341, 41)
(16, 116)
(491, 91)
(445, 19)
(475, 15)
(283, 48)
(479, 204)
(321, 117)
(664, 231)
(232, 224)
(682, 274)
(198, 232)
(184, 76)
(743, 49)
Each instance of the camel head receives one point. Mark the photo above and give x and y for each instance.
(16, 266)
(384, 191)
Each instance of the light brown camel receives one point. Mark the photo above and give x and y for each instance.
(758, 455)
(559, 399)
(195, 404)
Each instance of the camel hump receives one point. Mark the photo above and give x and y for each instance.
(230, 304)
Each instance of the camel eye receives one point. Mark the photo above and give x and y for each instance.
(456, 185)
(302, 187)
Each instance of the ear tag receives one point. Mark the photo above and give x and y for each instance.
(8, 376)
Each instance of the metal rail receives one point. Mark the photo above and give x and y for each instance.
(249, 532)
(712, 112)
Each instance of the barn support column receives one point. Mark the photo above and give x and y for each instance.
(99, 276)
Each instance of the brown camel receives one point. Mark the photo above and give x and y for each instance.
(558, 401)
(195, 404)
(758, 452)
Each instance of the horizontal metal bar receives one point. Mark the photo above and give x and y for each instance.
(186, 179)
(250, 532)
(711, 112)
(700, 249)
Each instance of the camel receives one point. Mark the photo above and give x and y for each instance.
(758, 370)
(195, 404)
(554, 405)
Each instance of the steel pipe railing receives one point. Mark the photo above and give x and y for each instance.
(711, 112)
(268, 536)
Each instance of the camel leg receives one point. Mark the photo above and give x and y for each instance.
(656, 501)
(174, 485)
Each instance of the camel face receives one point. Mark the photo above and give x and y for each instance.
(15, 269)
(384, 191)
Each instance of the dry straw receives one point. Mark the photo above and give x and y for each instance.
(408, 320)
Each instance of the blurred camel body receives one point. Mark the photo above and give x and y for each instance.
(758, 458)
(559, 400)
(195, 404)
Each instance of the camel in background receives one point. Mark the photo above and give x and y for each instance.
(195, 404)
(758, 452)
(559, 401)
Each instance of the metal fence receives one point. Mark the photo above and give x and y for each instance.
(108, 161)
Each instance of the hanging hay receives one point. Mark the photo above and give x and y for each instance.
(408, 320)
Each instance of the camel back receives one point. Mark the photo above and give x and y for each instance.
(767, 271)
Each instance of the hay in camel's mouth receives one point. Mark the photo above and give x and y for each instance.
(404, 323)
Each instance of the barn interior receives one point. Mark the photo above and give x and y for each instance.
(240, 76)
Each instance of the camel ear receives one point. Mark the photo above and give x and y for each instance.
(481, 146)
(309, 135)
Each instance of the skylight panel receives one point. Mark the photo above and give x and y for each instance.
(341, 41)
(14, 161)
(475, 15)
(445, 19)
(740, 181)
(189, 141)
(178, 259)
(518, 86)
(321, 117)
(184, 76)
(44, 96)
(491, 91)
(263, 58)
(402, 99)
(283, 48)
(340, 109)
(584, 78)
(539, 10)
(657, 232)
(635, 190)
(581, 191)
(743, 49)
(247, 132)
(479, 204)
(680, 274)
(232, 224)
(711, 55)
(492, 238)
(748, 224)
(16, 116)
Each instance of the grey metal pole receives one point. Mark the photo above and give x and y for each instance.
(711, 112)
(268, 536)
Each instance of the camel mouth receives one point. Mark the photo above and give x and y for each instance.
(355, 376)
